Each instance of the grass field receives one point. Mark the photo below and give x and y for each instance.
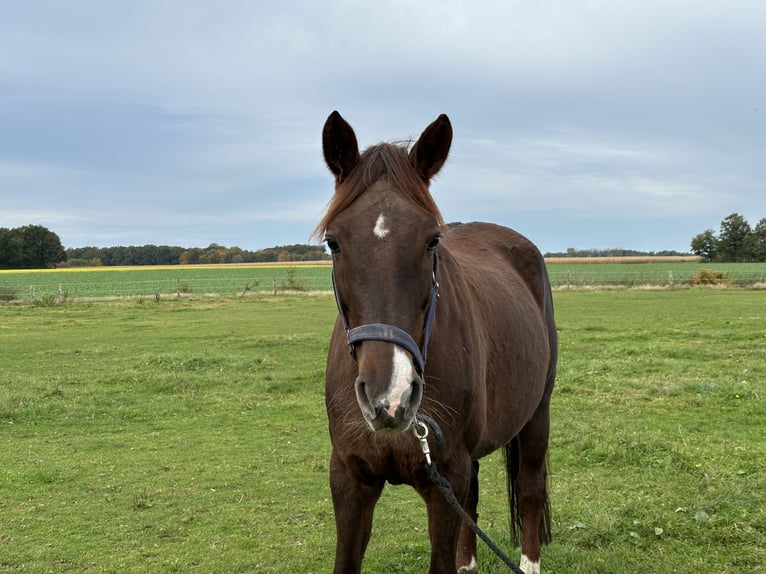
(659, 274)
(138, 282)
(190, 436)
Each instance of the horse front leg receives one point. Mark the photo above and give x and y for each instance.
(466, 549)
(353, 502)
(443, 522)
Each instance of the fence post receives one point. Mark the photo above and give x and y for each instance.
(61, 293)
(568, 278)
(178, 287)
(31, 293)
(274, 285)
(670, 279)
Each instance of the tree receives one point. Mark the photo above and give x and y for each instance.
(10, 248)
(733, 240)
(758, 241)
(190, 256)
(42, 247)
(31, 246)
(704, 244)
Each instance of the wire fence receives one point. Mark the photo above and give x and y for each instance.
(151, 283)
(669, 279)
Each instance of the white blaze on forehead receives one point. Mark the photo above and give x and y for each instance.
(528, 566)
(402, 374)
(380, 230)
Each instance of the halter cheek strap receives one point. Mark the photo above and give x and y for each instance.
(390, 333)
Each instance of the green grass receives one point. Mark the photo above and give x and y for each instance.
(659, 454)
(175, 437)
(663, 274)
(190, 436)
(135, 282)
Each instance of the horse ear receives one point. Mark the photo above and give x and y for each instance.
(430, 151)
(341, 151)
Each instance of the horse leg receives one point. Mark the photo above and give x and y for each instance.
(466, 547)
(353, 501)
(532, 488)
(443, 522)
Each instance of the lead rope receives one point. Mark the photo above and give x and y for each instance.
(445, 488)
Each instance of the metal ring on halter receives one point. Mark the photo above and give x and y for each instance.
(422, 425)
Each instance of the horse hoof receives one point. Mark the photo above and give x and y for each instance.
(469, 569)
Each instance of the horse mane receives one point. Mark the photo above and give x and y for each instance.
(389, 162)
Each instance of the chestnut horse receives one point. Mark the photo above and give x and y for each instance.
(491, 350)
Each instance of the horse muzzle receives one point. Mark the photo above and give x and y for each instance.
(389, 397)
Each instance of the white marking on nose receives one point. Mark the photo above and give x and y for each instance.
(380, 230)
(528, 566)
(402, 375)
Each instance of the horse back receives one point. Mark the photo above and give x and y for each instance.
(484, 249)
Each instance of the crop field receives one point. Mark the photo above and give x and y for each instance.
(189, 435)
(139, 282)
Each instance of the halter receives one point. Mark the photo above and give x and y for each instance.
(390, 333)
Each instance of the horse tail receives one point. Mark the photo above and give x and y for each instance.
(546, 535)
(511, 455)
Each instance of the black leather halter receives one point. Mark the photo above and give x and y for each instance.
(391, 333)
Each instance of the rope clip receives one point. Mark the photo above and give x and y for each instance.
(423, 438)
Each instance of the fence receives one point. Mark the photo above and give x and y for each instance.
(669, 279)
(142, 283)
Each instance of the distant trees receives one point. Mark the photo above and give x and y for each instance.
(36, 247)
(169, 255)
(612, 252)
(758, 241)
(30, 247)
(215, 253)
(132, 255)
(736, 241)
(705, 245)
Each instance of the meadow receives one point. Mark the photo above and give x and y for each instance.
(189, 435)
(53, 285)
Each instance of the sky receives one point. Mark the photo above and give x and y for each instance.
(580, 123)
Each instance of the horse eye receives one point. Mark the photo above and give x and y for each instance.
(332, 244)
(433, 242)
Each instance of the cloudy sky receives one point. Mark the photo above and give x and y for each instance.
(583, 123)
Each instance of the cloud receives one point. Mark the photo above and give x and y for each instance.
(171, 121)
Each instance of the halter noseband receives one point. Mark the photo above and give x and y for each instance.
(390, 333)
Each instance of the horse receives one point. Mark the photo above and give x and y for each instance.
(474, 299)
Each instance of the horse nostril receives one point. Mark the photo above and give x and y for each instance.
(416, 392)
(361, 393)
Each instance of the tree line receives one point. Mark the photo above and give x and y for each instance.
(171, 255)
(735, 242)
(611, 252)
(36, 247)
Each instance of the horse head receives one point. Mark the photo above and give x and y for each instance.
(382, 227)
